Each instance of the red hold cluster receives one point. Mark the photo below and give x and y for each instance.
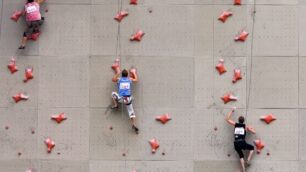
(154, 145)
(12, 66)
(163, 118)
(20, 96)
(242, 36)
(237, 2)
(228, 98)
(28, 74)
(120, 15)
(220, 67)
(224, 16)
(137, 36)
(259, 145)
(268, 118)
(50, 144)
(133, 2)
(237, 75)
(59, 118)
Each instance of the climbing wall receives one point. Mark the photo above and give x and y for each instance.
(176, 62)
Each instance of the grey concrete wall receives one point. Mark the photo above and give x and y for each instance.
(176, 63)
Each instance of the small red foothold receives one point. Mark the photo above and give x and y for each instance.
(242, 36)
(12, 65)
(163, 118)
(259, 145)
(116, 65)
(50, 144)
(20, 96)
(134, 170)
(137, 36)
(224, 16)
(237, 2)
(33, 131)
(120, 15)
(134, 2)
(154, 145)
(34, 36)
(228, 98)
(268, 118)
(16, 15)
(6, 127)
(59, 118)
(237, 75)
(111, 127)
(28, 74)
(220, 67)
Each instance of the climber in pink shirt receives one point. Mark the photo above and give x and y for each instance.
(33, 20)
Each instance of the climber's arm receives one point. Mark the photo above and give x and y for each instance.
(251, 129)
(116, 77)
(228, 117)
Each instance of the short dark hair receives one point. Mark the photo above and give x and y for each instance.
(124, 73)
(241, 119)
(29, 1)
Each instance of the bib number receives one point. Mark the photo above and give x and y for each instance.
(125, 86)
(239, 131)
(31, 9)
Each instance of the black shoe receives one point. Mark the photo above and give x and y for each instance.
(21, 47)
(136, 129)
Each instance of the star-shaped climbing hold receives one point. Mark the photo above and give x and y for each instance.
(59, 118)
(20, 96)
(237, 2)
(259, 145)
(237, 75)
(34, 36)
(224, 16)
(28, 74)
(120, 15)
(134, 2)
(242, 36)
(163, 118)
(228, 98)
(50, 144)
(137, 36)
(12, 65)
(268, 118)
(16, 15)
(154, 145)
(220, 67)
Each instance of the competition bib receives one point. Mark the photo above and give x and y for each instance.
(125, 86)
(239, 131)
(31, 9)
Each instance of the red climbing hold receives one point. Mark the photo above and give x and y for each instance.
(228, 97)
(268, 118)
(134, 170)
(12, 66)
(133, 72)
(224, 16)
(20, 96)
(154, 144)
(133, 2)
(50, 144)
(237, 75)
(137, 36)
(242, 36)
(163, 118)
(259, 145)
(237, 2)
(16, 15)
(116, 66)
(34, 36)
(120, 15)
(59, 118)
(28, 74)
(220, 67)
